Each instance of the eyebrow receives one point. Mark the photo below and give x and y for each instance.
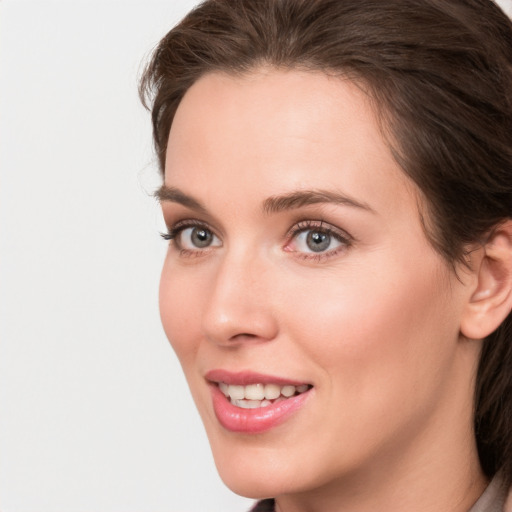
(175, 195)
(273, 204)
(301, 198)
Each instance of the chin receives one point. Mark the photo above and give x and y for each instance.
(263, 471)
(257, 487)
(250, 471)
(260, 483)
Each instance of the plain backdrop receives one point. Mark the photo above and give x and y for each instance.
(95, 415)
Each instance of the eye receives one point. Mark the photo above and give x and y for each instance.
(315, 241)
(312, 238)
(191, 237)
(195, 238)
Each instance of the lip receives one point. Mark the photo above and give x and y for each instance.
(252, 421)
(245, 378)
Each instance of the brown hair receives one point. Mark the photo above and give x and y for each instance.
(439, 73)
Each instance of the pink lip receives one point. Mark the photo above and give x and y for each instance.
(251, 421)
(246, 378)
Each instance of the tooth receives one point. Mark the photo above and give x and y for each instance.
(288, 391)
(272, 391)
(224, 388)
(236, 392)
(252, 404)
(280, 399)
(255, 392)
(248, 404)
(302, 388)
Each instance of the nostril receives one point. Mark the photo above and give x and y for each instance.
(234, 314)
(244, 335)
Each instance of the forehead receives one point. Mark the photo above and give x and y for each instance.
(280, 130)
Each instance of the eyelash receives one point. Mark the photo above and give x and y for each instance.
(319, 226)
(173, 232)
(180, 226)
(306, 225)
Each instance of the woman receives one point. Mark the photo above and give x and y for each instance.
(338, 286)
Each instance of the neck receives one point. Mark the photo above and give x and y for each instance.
(389, 489)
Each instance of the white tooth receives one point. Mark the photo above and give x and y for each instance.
(272, 391)
(288, 391)
(236, 392)
(255, 392)
(252, 404)
(302, 388)
(248, 404)
(224, 388)
(280, 399)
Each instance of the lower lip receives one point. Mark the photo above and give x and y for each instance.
(254, 421)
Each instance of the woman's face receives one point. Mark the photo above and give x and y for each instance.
(298, 266)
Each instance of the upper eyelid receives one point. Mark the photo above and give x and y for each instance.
(320, 225)
(173, 230)
(183, 224)
(177, 212)
(302, 225)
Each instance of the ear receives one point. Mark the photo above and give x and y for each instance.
(491, 297)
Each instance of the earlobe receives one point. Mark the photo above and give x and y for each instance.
(491, 299)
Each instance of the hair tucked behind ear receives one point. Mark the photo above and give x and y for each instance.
(439, 73)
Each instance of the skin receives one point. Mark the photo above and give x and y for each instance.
(373, 322)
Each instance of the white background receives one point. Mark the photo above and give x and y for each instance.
(95, 415)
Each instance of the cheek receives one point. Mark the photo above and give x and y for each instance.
(180, 320)
(380, 336)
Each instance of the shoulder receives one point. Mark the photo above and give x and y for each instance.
(492, 500)
(508, 502)
(496, 498)
(265, 506)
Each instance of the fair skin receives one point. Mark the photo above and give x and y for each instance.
(364, 311)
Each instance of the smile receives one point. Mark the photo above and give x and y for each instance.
(252, 403)
(254, 396)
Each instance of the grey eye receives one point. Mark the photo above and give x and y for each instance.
(318, 241)
(197, 237)
(313, 240)
(201, 237)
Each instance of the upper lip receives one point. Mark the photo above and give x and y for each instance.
(244, 378)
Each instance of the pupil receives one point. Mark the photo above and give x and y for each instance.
(318, 242)
(201, 237)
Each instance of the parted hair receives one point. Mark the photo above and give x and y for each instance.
(439, 75)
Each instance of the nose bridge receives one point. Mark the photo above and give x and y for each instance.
(238, 307)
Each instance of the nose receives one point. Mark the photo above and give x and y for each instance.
(239, 307)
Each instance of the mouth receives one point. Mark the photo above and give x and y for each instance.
(252, 403)
(254, 396)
